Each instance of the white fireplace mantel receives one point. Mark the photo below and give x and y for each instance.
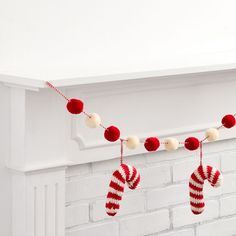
(45, 138)
(188, 64)
(44, 135)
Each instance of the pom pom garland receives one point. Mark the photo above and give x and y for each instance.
(212, 134)
(132, 142)
(196, 183)
(75, 106)
(93, 120)
(129, 175)
(171, 144)
(152, 144)
(112, 133)
(125, 174)
(228, 121)
(192, 143)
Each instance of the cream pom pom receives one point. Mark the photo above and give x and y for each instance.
(132, 142)
(93, 120)
(171, 144)
(212, 134)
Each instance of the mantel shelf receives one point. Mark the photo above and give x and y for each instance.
(180, 66)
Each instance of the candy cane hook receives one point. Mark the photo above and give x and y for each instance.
(125, 174)
(196, 183)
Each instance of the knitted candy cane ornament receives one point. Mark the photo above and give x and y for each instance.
(196, 186)
(124, 174)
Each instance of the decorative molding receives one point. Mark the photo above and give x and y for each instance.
(47, 166)
(23, 82)
(188, 130)
(38, 203)
(12, 85)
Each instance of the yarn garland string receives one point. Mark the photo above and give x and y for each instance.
(121, 150)
(57, 90)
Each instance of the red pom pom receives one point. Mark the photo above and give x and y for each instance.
(152, 144)
(112, 134)
(75, 106)
(192, 143)
(228, 121)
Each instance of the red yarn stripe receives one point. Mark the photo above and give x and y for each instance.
(201, 173)
(134, 174)
(209, 170)
(195, 187)
(118, 175)
(111, 214)
(198, 205)
(126, 170)
(116, 186)
(196, 196)
(216, 177)
(135, 184)
(194, 177)
(111, 205)
(114, 196)
(197, 212)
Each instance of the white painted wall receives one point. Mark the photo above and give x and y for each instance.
(59, 38)
(5, 178)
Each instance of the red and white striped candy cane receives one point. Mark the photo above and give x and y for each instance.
(196, 183)
(125, 174)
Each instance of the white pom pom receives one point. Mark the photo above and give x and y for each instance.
(132, 142)
(171, 144)
(212, 134)
(93, 121)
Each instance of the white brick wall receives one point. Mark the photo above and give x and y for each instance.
(104, 229)
(131, 204)
(77, 214)
(160, 206)
(222, 227)
(145, 224)
(182, 215)
(184, 232)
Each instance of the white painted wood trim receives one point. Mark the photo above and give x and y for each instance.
(141, 75)
(18, 120)
(178, 69)
(39, 203)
